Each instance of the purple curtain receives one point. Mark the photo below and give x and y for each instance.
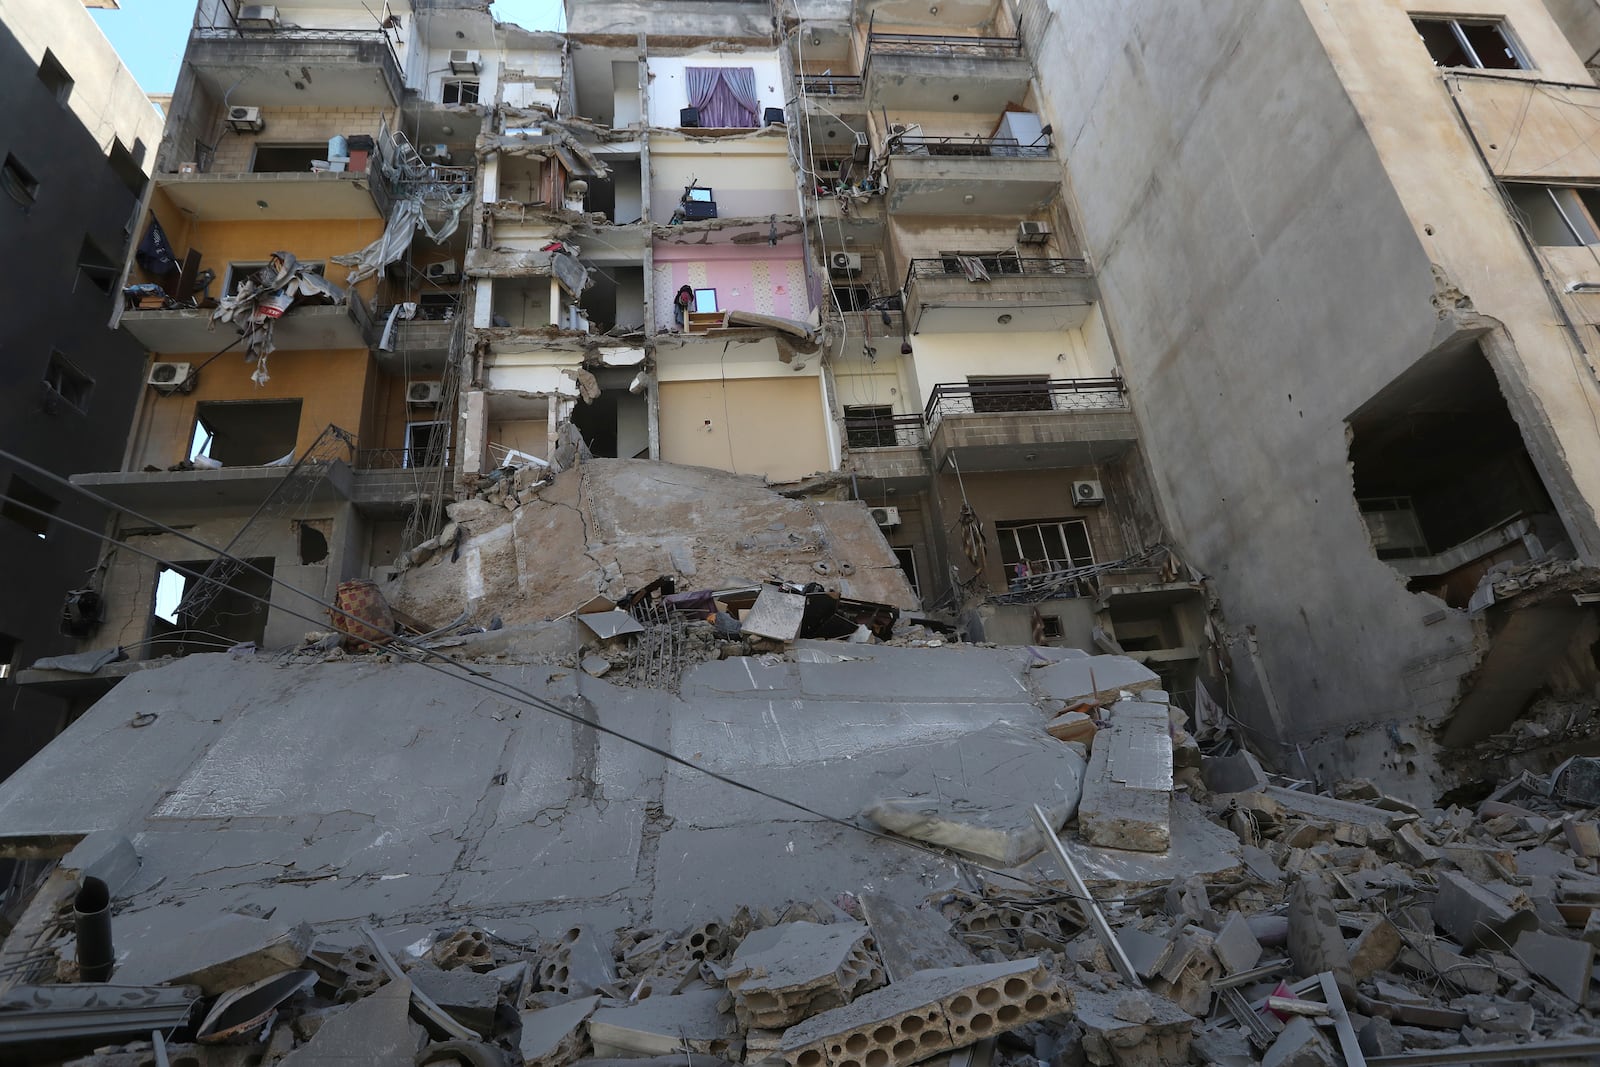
(726, 96)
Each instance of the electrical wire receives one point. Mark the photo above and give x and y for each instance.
(423, 657)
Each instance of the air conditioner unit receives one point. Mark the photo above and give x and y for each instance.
(1087, 494)
(169, 378)
(245, 119)
(886, 516)
(845, 263)
(423, 392)
(434, 153)
(463, 61)
(1032, 233)
(863, 148)
(441, 271)
(258, 17)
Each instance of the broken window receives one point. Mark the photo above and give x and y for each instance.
(1483, 43)
(1050, 627)
(8, 655)
(68, 382)
(312, 542)
(28, 506)
(55, 77)
(869, 426)
(615, 425)
(908, 563)
(1442, 478)
(1013, 393)
(1043, 546)
(246, 433)
(18, 182)
(287, 158)
(460, 91)
(1556, 215)
(96, 265)
(427, 444)
(237, 614)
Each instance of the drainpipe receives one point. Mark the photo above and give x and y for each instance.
(91, 914)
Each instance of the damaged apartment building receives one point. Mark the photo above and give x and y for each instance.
(1104, 354)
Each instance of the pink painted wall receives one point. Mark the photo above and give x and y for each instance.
(770, 283)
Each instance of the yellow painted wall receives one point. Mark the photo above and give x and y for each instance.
(770, 426)
(330, 385)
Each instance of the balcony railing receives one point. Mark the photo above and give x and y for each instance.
(970, 147)
(831, 84)
(887, 431)
(393, 459)
(1034, 394)
(964, 267)
(938, 44)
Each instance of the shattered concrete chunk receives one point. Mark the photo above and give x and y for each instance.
(976, 794)
(580, 964)
(1300, 1045)
(1163, 1037)
(1236, 946)
(926, 1014)
(1094, 678)
(1375, 949)
(1127, 795)
(1566, 964)
(1315, 943)
(1476, 915)
(375, 1031)
(660, 1025)
(468, 997)
(230, 951)
(911, 939)
(794, 970)
(557, 1036)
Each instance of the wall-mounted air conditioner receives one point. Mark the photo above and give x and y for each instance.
(258, 17)
(434, 153)
(886, 516)
(463, 61)
(442, 271)
(423, 392)
(863, 149)
(844, 263)
(169, 378)
(1032, 233)
(245, 119)
(1087, 494)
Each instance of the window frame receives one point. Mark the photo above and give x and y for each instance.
(18, 181)
(55, 77)
(25, 492)
(415, 452)
(446, 84)
(1581, 220)
(1499, 23)
(85, 382)
(1011, 528)
(881, 435)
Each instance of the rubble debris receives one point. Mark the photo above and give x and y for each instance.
(911, 939)
(251, 1007)
(555, 1037)
(376, 1032)
(1127, 794)
(579, 965)
(660, 1025)
(1158, 1034)
(468, 997)
(231, 951)
(56, 1019)
(794, 970)
(976, 794)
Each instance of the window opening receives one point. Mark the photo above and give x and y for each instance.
(18, 182)
(55, 77)
(246, 433)
(286, 158)
(238, 272)
(8, 655)
(28, 506)
(1480, 43)
(1050, 627)
(1042, 547)
(420, 442)
(312, 543)
(1003, 262)
(97, 266)
(126, 168)
(1557, 216)
(234, 616)
(1018, 393)
(869, 426)
(908, 563)
(460, 91)
(68, 382)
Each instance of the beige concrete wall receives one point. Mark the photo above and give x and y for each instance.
(951, 357)
(750, 176)
(770, 426)
(295, 126)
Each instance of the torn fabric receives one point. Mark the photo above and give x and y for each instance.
(388, 248)
(265, 296)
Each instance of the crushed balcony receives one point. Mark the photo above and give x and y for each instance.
(1028, 423)
(298, 66)
(966, 294)
(945, 72)
(183, 330)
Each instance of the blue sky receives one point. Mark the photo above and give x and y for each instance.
(150, 34)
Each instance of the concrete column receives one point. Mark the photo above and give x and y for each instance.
(474, 437)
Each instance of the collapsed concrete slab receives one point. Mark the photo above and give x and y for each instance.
(1099, 679)
(231, 951)
(926, 1014)
(794, 970)
(976, 794)
(659, 1025)
(1127, 795)
(557, 1036)
(377, 1032)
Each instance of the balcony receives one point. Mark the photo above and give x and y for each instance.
(420, 344)
(231, 487)
(888, 449)
(834, 107)
(1028, 423)
(184, 330)
(389, 481)
(296, 67)
(272, 197)
(981, 294)
(970, 175)
(940, 72)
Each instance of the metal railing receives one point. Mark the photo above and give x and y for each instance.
(222, 23)
(996, 266)
(943, 44)
(887, 431)
(392, 459)
(831, 84)
(1035, 394)
(969, 146)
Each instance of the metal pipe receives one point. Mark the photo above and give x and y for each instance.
(91, 914)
